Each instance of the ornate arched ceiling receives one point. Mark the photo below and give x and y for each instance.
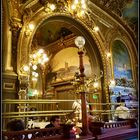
(126, 11)
(50, 32)
(73, 28)
(110, 15)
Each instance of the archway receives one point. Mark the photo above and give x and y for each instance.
(93, 47)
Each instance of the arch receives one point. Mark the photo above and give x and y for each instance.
(80, 29)
(93, 46)
(132, 56)
(131, 48)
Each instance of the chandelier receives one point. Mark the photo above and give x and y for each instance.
(75, 8)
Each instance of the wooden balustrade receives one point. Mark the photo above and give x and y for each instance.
(33, 134)
(110, 130)
(100, 130)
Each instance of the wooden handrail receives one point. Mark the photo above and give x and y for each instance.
(32, 134)
(57, 133)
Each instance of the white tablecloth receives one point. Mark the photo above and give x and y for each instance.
(33, 124)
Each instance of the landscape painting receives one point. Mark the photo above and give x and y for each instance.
(121, 61)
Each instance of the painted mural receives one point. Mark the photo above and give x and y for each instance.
(130, 12)
(121, 61)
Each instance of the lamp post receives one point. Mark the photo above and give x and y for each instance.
(80, 42)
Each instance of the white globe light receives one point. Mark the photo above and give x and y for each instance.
(26, 68)
(34, 67)
(80, 41)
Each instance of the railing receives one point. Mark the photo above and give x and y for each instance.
(118, 130)
(25, 115)
(58, 133)
(33, 134)
(110, 111)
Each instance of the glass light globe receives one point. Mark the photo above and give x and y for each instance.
(80, 41)
(31, 27)
(112, 83)
(26, 68)
(34, 67)
(95, 84)
(40, 51)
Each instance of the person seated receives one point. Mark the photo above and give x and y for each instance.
(55, 121)
(15, 125)
(122, 113)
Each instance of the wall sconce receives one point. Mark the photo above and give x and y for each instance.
(29, 29)
(25, 69)
(52, 7)
(95, 86)
(96, 29)
(108, 55)
(31, 26)
(112, 84)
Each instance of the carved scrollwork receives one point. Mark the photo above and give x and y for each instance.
(23, 81)
(15, 24)
(22, 94)
(27, 15)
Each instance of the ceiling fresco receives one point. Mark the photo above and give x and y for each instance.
(130, 12)
(50, 32)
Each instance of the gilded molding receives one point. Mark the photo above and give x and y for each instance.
(42, 17)
(15, 28)
(24, 81)
(9, 86)
(118, 34)
(42, 14)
